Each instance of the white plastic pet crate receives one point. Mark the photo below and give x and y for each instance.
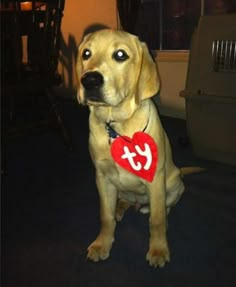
(211, 89)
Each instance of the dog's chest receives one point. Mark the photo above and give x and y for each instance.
(129, 186)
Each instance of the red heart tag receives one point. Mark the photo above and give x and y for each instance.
(138, 155)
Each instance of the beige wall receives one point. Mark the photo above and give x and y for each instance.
(78, 15)
(172, 67)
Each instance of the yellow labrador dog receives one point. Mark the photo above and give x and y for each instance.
(116, 79)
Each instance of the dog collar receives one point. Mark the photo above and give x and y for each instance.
(112, 134)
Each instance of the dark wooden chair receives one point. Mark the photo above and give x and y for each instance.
(30, 40)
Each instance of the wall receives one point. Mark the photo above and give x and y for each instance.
(78, 15)
(172, 67)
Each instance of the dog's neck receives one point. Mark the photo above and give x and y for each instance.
(117, 121)
(122, 113)
(112, 133)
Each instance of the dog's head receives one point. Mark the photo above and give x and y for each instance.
(113, 66)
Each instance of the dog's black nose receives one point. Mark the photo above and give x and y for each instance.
(92, 80)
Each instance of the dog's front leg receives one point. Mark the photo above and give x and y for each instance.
(158, 253)
(100, 248)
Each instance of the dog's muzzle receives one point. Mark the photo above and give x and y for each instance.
(92, 83)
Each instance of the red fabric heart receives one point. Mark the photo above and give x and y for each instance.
(138, 155)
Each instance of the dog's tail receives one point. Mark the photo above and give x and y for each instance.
(191, 170)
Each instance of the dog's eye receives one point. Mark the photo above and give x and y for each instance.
(120, 55)
(86, 54)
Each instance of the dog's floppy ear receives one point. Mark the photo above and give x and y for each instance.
(78, 60)
(149, 84)
(79, 71)
(78, 65)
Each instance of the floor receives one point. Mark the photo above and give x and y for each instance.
(50, 214)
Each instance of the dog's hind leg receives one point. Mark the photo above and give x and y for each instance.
(122, 206)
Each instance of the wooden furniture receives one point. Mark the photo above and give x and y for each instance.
(30, 43)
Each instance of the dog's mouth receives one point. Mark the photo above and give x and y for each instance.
(94, 103)
(94, 98)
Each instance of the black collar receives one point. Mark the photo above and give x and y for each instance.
(112, 134)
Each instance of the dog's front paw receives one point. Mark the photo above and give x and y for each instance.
(98, 250)
(157, 257)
